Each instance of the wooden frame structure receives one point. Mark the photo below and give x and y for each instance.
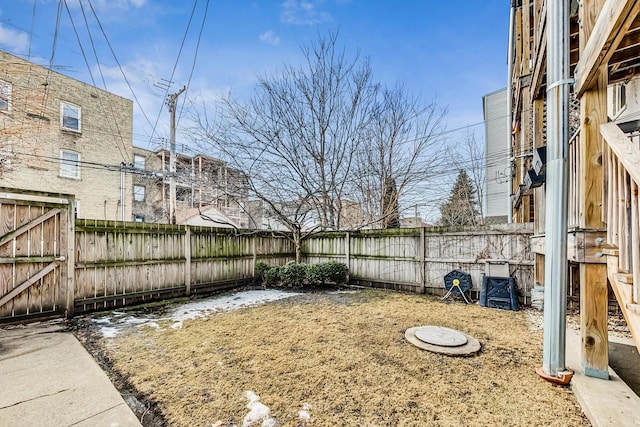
(604, 166)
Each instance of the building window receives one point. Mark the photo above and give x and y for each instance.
(5, 96)
(619, 99)
(70, 117)
(69, 164)
(139, 161)
(138, 218)
(138, 193)
(76, 208)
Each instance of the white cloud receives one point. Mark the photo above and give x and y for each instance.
(303, 12)
(13, 40)
(142, 77)
(269, 37)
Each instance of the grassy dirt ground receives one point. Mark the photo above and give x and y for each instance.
(337, 359)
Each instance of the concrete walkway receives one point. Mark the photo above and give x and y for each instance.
(49, 379)
(605, 402)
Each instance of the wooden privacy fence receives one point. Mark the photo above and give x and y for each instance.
(51, 265)
(121, 263)
(417, 259)
(36, 230)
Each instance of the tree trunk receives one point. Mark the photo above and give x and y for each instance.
(297, 242)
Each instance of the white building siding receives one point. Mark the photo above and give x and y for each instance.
(497, 135)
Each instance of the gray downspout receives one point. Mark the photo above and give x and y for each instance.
(122, 190)
(555, 278)
(510, 104)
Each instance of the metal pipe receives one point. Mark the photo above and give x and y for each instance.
(555, 277)
(510, 103)
(122, 190)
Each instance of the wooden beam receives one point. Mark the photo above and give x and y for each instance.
(24, 285)
(593, 113)
(635, 238)
(540, 68)
(37, 221)
(613, 21)
(622, 148)
(585, 246)
(526, 38)
(593, 320)
(594, 301)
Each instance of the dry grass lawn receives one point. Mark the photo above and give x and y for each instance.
(342, 359)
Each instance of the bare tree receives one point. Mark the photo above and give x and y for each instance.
(317, 140)
(404, 148)
(297, 135)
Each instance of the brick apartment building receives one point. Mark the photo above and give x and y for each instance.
(60, 135)
(203, 185)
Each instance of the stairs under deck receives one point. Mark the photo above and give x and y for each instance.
(622, 284)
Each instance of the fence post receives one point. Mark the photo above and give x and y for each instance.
(187, 263)
(347, 254)
(421, 260)
(70, 230)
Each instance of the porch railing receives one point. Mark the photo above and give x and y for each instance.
(621, 161)
(573, 219)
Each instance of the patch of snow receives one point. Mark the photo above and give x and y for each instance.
(109, 331)
(304, 414)
(118, 320)
(342, 292)
(203, 308)
(257, 412)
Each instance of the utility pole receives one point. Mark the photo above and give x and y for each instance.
(171, 102)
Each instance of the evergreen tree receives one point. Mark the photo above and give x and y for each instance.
(391, 215)
(462, 207)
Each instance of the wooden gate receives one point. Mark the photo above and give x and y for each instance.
(36, 250)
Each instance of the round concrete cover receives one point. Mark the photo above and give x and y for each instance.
(470, 348)
(439, 335)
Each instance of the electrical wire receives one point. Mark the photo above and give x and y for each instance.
(104, 83)
(193, 64)
(175, 66)
(123, 154)
(53, 54)
(115, 57)
(33, 23)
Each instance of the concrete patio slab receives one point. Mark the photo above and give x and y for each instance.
(49, 379)
(605, 402)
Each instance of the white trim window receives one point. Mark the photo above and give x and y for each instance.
(139, 162)
(138, 193)
(70, 117)
(138, 218)
(619, 99)
(5, 96)
(69, 164)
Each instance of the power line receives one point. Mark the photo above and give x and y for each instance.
(104, 34)
(33, 23)
(175, 66)
(195, 57)
(93, 81)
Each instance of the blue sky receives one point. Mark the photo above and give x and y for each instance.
(450, 52)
